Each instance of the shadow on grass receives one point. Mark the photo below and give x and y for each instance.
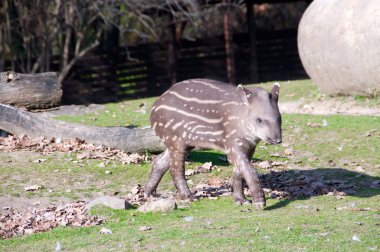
(218, 159)
(294, 185)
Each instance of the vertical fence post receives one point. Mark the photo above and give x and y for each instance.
(152, 81)
(230, 62)
(172, 51)
(253, 72)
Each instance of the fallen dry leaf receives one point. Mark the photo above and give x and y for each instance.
(32, 188)
(205, 168)
(289, 152)
(47, 146)
(105, 231)
(264, 164)
(314, 125)
(41, 160)
(14, 223)
(145, 228)
(189, 172)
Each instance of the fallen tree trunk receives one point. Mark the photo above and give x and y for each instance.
(31, 91)
(19, 122)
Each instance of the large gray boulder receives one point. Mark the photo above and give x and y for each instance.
(339, 45)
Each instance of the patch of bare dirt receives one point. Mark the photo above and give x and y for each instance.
(328, 107)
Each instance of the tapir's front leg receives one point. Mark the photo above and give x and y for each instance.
(238, 183)
(241, 158)
(238, 187)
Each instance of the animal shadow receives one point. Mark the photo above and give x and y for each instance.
(293, 185)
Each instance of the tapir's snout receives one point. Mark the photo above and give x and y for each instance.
(273, 141)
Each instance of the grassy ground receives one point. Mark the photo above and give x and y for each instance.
(319, 223)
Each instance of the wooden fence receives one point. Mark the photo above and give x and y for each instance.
(142, 71)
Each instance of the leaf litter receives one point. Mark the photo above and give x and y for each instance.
(34, 220)
(47, 146)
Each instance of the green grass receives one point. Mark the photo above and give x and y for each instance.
(115, 114)
(224, 226)
(294, 90)
(319, 223)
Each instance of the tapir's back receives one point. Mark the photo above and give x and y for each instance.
(193, 111)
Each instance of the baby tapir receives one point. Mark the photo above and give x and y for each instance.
(210, 114)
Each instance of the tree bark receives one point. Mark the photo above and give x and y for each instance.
(253, 72)
(30, 91)
(227, 25)
(18, 122)
(172, 51)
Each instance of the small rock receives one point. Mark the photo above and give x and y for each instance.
(101, 165)
(314, 125)
(312, 159)
(205, 168)
(359, 169)
(276, 154)
(267, 190)
(41, 160)
(144, 228)
(285, 145)
(355, 238)
(189, 172)
(108, 172)
(32, 188)
(331, 163)
(375, 183)
(264, 165)
(325, 123)
(68, 190)
(202, 186)
(108, 201)
(302, 207)
(183, 204)
(83, 155)
(289, 151)
(105, 231)
(58, 246)
(136, 189)
(188, 218)
(158, 205)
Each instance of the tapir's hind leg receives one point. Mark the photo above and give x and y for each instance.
(160, 166)
(177, 170)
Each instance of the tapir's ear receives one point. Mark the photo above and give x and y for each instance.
(243, 94)
(275, 91)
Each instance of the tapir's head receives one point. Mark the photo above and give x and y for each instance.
(264, 118)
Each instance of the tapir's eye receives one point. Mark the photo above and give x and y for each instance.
(258, 120)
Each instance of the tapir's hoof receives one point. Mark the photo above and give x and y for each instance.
(259, 205)
(187, 197)
(242, 201)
